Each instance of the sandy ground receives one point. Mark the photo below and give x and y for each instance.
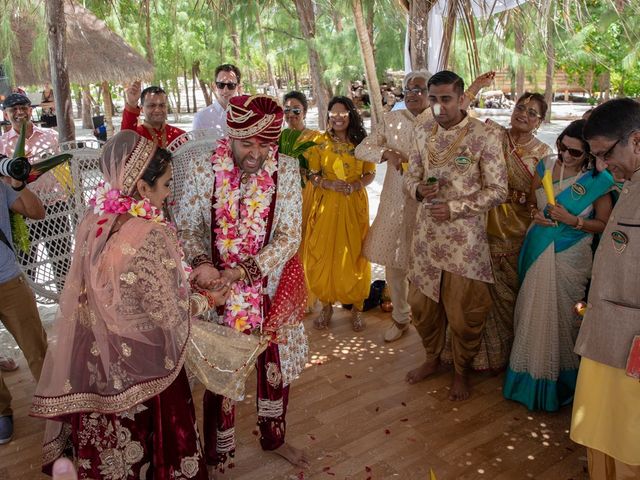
(563, 113)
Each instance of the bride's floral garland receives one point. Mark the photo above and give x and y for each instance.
(112, 200)
(241, 224)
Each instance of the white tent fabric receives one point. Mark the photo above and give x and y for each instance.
(435, 27)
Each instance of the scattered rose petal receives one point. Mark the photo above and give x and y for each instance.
(411, 439)
(311, 436)
(98, 232)
(367, 469)
(255, 432)
(326, 469)
(387, 431)
(377, 409)
(404, 404)
(369, 478)
(231, 465)
(102, 221)
(331, 473)
(404, 419)
(347, 375)
(300, 475)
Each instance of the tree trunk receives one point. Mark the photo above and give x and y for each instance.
(57, 39)
(519, 34)
(605, 85)
(186, 89)
(203, 85)
(265, 51)
(147, 19)
(86, 107)
(366, 50)
(551, 58)
(588, 81)
(369, 15)
(108, 108)
(418, 35)
(306, 15)
(447, 38)
(235, 40)
(193, 89)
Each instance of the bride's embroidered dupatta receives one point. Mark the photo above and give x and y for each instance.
(123, 323)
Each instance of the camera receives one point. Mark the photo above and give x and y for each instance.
(17, 168)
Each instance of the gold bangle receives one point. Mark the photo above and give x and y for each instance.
(470, 96)
(243, 273)
(199, 304)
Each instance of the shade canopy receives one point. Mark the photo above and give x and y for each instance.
(94, 52)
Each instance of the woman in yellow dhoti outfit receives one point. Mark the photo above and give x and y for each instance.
(339, 218)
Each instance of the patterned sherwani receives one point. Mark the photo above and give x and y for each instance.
(451, 259)
(280, 363)
(388, 242)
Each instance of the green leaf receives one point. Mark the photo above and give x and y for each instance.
(19, 150)
(20, 232)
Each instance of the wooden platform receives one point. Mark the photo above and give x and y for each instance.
(357, 419)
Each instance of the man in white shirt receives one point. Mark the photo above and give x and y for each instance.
(226, 85)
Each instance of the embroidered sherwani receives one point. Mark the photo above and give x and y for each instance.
(388, 241)
(279, 364)
(451, 259)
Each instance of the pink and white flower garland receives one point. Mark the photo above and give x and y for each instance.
(241, 224)
(112, 200)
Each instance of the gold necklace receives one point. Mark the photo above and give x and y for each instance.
(438, 159)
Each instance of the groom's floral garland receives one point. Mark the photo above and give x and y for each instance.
(111, 200)
(241, 224)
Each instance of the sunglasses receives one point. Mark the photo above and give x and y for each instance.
(531, 113)
(414, 91)
(229, 85)
(574, 152)
(338, 114)
(295, 110)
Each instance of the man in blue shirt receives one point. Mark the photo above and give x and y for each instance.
(18, 310)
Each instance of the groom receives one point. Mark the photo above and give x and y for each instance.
(239, 221)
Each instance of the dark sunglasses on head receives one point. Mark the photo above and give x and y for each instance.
(574, 152)
(294, 110)
(229, 85)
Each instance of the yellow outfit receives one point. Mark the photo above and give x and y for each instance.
(307, 200)
(337, 226)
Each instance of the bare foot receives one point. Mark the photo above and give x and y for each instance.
(294, 455)
(423, 371)
(459, 388)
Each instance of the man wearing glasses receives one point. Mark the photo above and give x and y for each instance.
(606, 418)
(154, 103)
(227, 85)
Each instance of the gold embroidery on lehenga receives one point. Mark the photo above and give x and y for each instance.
(67, 386)
(127, 249)
(274, 377)
(128, 277)
(126, 349)
(95, 351)
(168, 363)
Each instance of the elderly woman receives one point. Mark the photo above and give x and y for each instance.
(339, 219)
(554, 267)
(113, 387)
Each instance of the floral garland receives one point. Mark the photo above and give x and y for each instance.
(241, 224)
(109, 200)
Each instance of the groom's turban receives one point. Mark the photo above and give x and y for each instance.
(254, 116)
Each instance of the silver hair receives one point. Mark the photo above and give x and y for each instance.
(416, 74)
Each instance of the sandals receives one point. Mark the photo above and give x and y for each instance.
(322, 321)
(358, 323)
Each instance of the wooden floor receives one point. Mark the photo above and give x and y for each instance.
(355, 416)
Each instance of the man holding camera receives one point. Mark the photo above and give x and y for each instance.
(17, 110)
(18, 310)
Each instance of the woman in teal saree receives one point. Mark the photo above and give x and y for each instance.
(554, 268)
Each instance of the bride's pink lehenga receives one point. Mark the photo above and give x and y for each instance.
(114, 388)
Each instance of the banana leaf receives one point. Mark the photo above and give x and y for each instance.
(19, 150)
(290, 145)
(38, 169)
(20, 232)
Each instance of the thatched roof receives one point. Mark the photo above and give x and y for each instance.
(94, 52)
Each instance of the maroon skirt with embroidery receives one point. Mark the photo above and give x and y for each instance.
(156, 439)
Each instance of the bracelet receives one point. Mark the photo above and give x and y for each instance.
(243, 273)
(20, 188)
(199, 304)
(533, 212)
(201, 260)
(469, 95)
(579, 224)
